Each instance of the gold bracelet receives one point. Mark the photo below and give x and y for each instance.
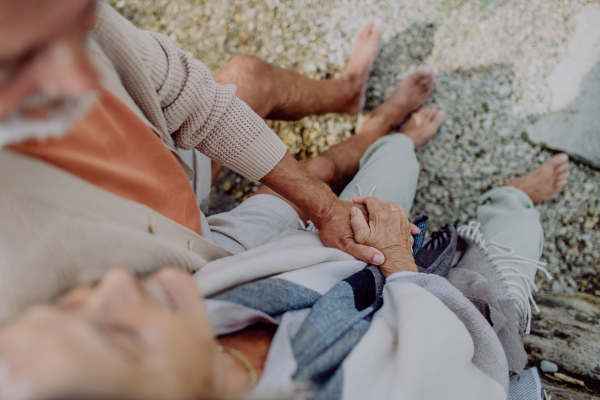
(238, 354)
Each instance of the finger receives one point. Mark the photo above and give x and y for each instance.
(398, 208)
(359, 225)
(364, 253)
(414, 230)
(373, 204)
(355, 199)
(390, 204)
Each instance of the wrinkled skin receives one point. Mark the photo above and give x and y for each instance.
(387, 230)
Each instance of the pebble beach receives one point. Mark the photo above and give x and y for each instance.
(491, 60)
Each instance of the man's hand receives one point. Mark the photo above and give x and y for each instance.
(335, 231)
(329, 214)
(387, 230)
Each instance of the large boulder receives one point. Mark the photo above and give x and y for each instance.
(573, 124)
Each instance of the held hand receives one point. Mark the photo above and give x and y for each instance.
(387, 230)
(335, 231)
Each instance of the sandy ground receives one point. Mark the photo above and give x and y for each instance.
(491, 63)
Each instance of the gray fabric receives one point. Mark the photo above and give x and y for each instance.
(201, 181)
(509, 217)
(335, 324)
(489, 355)
(252, 223)
(388, 170)
(526, 387)
(477, 277)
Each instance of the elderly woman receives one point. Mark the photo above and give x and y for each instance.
(287, 317)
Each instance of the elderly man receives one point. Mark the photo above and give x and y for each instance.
(94, 115)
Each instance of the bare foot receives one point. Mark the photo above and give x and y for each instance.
(423, 125)
(546, 182)
(410, 94)
(413, 91)
(366, 49)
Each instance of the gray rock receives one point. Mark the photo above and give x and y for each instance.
(574, 124)
(556, 287)
(548, 366)
(566, 331)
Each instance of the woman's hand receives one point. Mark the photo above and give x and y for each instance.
(387, 230)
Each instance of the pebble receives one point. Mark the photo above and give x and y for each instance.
(548, 366)
(490, 80)
(226, 186)
(556, 287)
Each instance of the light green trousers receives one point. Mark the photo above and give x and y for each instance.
(509, 222)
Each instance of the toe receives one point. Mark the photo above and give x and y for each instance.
(377, 29)
(424, 70)
(431, 112)
(439, 117)
(559, 159)
(561, 168)
(423, 75)
(560, 185)
(365, 31)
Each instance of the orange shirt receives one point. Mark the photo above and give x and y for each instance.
(111, 147)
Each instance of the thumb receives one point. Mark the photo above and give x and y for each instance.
(359, 225)
(414, 230)
(365, 253)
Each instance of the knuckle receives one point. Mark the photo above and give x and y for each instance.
(382, 215)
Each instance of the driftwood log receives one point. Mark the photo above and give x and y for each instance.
(566, 331)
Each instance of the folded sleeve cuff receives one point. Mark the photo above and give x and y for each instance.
(260, 156)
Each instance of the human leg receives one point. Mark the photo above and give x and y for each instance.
(389, 169)
(511, 228)
(338, 165)
(277, 93)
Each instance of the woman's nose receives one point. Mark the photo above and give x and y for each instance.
(117, 290)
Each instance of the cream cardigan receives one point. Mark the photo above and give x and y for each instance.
(58, 231)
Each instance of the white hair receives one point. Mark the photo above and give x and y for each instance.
(16, 128)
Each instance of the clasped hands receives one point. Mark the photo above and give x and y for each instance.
(372, 230)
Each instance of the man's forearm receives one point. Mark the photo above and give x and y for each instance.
(294, 182)
(330, 215)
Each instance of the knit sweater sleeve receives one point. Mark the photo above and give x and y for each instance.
(199, 113)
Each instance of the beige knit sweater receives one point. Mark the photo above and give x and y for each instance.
(58, 231)
(179, 96)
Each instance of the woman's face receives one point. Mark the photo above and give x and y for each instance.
(123, 338)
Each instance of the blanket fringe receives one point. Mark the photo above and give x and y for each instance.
(360, 191)
(502, 261)
(309, 226)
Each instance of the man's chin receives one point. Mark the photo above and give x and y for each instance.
(39, 123)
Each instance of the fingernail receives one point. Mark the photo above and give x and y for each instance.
(564, 157)
(353, 211)
(377, 259)
(419, 230)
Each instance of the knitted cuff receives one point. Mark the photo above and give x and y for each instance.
(260, 156)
